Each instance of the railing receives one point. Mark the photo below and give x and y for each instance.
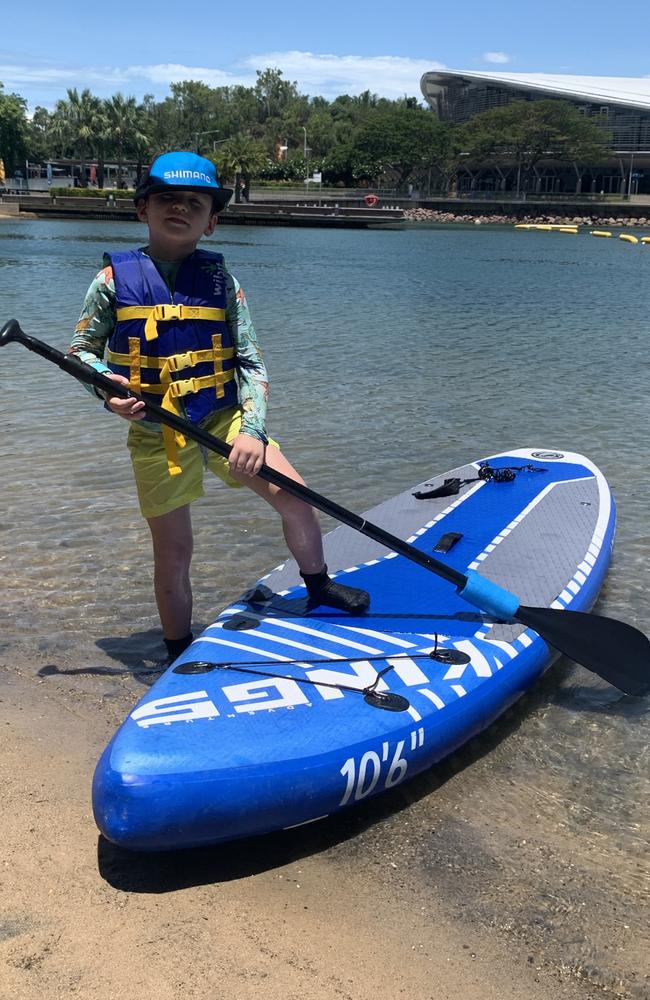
(529, 196)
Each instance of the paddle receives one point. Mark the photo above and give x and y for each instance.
(614, 650)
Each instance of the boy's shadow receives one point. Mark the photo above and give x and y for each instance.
(140, 655)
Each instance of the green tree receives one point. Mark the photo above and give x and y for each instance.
(125, 135)
(13, 130)
(522, 134)
(38, 135)
(273, 93)
(397, 141)
(81, 122)
(240, 159)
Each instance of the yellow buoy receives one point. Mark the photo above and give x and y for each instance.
(600, 232)
(627, 238)
(547, 227)
(645, 239)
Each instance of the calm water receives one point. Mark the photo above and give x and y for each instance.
(393, 355)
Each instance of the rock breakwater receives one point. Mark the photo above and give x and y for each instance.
(434, 215)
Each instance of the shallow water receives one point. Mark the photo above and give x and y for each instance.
(393, 355)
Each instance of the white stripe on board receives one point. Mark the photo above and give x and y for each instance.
(283, 641)
(432, 696)
(507, 647)
(391, 639)
(320, 634)
(306, 822)
(264, 653)
(478, 661)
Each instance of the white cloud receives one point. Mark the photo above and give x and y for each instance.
(105, 80)
(496, 57)
(166, 73)
(329, 75)
(317, 75)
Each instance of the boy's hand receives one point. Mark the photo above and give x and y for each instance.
(247, 455)
(130, 409)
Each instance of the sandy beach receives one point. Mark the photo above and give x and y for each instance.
(306, 915)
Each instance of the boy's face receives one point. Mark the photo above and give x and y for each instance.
(177, 219)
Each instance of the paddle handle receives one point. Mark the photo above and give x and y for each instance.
(12, 332)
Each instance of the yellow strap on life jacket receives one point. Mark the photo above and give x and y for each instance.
(165, 312)
(172, 391)
(134, 362)
(173, 363)
(177, 362)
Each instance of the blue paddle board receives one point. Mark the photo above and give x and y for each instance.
(278, 715)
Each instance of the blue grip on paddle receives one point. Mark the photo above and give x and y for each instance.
(489, 597)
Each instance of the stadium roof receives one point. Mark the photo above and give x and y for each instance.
(632, 92)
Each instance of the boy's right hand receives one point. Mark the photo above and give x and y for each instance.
(130, 409)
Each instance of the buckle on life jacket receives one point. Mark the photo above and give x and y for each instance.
(162, 313)
(177, 362)
(183, 387)
(167, 311)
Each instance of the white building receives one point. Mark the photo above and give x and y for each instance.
(619, 104)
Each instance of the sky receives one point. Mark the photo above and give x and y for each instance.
(327, 49)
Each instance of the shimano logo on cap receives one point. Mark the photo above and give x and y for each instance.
(185, 175)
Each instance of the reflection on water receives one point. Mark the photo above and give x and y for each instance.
(393, 356)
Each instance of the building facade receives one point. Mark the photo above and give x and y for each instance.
(620, 105)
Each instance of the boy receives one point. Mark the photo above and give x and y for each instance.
(177, 326)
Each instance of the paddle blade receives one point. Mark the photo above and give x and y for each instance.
(615, 651)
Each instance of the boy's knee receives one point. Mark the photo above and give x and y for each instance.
(172, 555)
(296, 510)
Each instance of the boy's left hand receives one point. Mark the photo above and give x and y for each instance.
(247, 455)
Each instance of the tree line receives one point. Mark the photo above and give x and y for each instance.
(272, 132)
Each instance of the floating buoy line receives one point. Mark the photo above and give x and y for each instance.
(547, 227)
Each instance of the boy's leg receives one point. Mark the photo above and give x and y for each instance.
(165, 503)
(303, 537)
(171, 535)
(299, 521)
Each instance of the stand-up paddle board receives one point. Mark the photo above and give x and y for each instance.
(279, 714)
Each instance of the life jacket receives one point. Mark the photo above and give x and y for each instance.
(175, 346)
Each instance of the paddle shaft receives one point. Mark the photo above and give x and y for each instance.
(85, 373)
(614, 650)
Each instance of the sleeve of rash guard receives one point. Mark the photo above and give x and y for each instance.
(96, 323)
(251, 370)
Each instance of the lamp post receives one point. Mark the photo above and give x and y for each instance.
(210, 131)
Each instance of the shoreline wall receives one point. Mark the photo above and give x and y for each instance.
(595, 219)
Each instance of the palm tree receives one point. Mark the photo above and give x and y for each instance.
(124, 131)
(241, 158)
(79, 119)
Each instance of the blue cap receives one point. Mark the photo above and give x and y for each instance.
(183, 170)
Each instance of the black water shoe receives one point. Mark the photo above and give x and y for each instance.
(323, 591)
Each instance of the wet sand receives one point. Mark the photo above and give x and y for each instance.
(333, 910)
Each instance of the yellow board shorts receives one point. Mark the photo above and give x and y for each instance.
(158, 492)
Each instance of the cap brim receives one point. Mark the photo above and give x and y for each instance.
(220, 196)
